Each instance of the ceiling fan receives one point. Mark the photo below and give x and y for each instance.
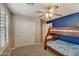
(49, 11)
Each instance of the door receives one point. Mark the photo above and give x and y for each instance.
(24, 32)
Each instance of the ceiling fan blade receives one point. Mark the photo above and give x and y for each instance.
(39, 12)
(41, 15)
(58, 14)
(56, 6)
(53, 8)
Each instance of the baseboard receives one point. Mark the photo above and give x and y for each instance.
(10, 51)
(37, 43)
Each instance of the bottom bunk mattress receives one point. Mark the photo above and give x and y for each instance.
(65, 48)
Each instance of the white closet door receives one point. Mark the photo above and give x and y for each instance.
(24, 32)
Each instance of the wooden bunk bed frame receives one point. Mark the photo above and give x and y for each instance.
(57, 31)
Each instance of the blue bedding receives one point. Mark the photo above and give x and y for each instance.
(65, 48)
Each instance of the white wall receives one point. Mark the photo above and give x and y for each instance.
(24, 28)
(37, 31)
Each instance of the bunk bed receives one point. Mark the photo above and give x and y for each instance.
(60, 46)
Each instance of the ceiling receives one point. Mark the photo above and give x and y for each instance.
(30, 10)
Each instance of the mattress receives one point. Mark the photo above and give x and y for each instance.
(65, 48)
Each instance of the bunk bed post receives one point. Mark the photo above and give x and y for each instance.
(45, 41)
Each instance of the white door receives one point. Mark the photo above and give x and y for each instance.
(24, 32)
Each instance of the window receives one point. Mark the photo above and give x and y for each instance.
(3, 29)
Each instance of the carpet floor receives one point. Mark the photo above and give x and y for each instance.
(31, 50)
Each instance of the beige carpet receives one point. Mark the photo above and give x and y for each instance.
(32, 50)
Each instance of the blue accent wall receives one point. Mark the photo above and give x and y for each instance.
(70, 20)
(67, 21)
(70, 39)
